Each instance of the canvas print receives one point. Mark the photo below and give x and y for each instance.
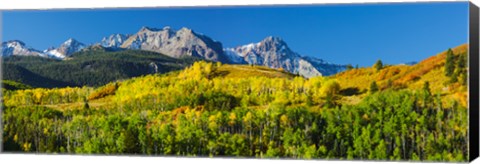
(379, 81)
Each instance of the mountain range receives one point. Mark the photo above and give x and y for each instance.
(272, 51)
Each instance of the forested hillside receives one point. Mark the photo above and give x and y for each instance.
(91, 67)
(12, 85)
(213, 109)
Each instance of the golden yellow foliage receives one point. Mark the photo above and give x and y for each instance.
(232, 119)
(405, 76)
(284, 120)
(330, 88)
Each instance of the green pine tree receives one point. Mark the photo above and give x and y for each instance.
(378, 65)
(426, 88)
(349, 67)
(450, 63)
(373, 87)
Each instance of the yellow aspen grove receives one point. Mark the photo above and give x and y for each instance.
(215, 109)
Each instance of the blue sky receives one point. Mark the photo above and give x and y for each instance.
(343, 34)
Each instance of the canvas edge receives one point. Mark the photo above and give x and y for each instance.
(1, 84)
(473, 65)
(473, 82)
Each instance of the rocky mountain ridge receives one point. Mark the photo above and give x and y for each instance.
(272, 51)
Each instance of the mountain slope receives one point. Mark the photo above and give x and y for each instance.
(66, 49)
(273, 52)
(181, 43)
(20, 74)
(324, 67)
(93, 68)
(413, 77)
(114, 40)
(13, 85)
(18, 48)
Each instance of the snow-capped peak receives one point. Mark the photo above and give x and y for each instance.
(69, 41)
(18, 48)
(66, 49)
(13, 43)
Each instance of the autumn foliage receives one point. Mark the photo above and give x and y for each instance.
(213, 109)
(106, 90)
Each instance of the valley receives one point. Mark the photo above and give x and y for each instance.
(205, 108)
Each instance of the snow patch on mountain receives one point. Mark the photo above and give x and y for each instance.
(233, 56)
(55, 54)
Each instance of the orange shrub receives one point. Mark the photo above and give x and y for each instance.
(107, 90)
